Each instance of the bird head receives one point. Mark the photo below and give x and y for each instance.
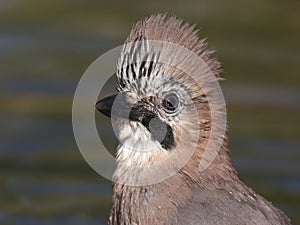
(161, 113)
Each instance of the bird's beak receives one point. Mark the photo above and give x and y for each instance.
(105, 105)
(137, 112)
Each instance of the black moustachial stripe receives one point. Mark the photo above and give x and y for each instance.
(168, 142)
(140, 114)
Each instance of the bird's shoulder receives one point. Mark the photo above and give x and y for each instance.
(229, 205)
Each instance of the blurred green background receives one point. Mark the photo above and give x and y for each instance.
(45, 47)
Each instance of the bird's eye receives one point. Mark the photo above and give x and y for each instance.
(170, 102)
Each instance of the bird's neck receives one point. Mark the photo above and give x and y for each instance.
(153, 204)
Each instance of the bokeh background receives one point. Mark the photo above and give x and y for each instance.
(45, 47)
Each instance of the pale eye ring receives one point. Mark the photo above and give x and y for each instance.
(170, 102)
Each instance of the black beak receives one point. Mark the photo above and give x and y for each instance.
(136, 112)
(105, 105)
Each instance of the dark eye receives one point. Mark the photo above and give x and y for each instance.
(170, 102)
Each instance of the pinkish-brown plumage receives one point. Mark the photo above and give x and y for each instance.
(213, 196)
